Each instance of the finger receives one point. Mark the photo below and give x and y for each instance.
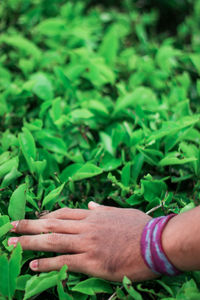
(75, 263)
(67, 214)
(54, 242)
(46, 225)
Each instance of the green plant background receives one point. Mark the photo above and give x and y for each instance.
(99, 100)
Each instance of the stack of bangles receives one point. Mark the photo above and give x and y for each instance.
(152, 250)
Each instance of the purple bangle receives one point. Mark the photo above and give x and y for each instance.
(152, 250)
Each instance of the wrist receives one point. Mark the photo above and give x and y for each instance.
(176, 244)
(152, 249)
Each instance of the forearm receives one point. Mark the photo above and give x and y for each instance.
(181, 240)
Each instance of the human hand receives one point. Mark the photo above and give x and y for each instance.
(102, 241)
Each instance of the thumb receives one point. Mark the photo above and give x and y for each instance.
(93, 205)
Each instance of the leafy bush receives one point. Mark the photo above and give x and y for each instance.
(95, 104)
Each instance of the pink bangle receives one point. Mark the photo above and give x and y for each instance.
(152, 250)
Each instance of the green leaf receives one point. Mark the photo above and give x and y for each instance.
(64, 79)
(24, 45)
(98, 108)
(69, 171)
(38, 284)
(4, 157)
(21, 282)
(109, 163)
(50, 27)
(149, 291)
(187, 207)
(173, 160)
(28, 147)
(107, 142)
(11, 177)
(191, 151)
(114, 180)
(141, 95)
(166, 57)
(129, 288)
(27, 143)
(169, 128)
(110, 38)
(6, 167)
(4, 282)
(99, 73)
(80, 114)
(10, 270)
(198, 86)
(137, 166)
(30, 200)
(61, 294)
(153, 189)
(92, 286)
(50, 142)
(87, 171)
(42, 86)
(4, 220)
(150, 155)
(53, 195)
(56, 110)
(126, 173)
(39, 166)
(166, 287)
(190, 289)
(14, 268)
(5, 229)
(17, 204)
(196, 61)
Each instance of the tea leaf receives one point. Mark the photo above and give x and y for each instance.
(92, 286)
(37, 284)
(53, 195)
(17, 204)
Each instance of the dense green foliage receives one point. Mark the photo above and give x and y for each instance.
(96, 104)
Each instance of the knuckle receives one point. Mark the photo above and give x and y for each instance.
(93, 237)
(91, 243)
(24, 241)
(65, 210)
(53, 238)
(87, 238)
(91, 253)
(62, 260)
(62, 212)
(95, 254)
(51, 225)
(22, 225)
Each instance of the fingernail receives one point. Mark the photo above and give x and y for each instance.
(13, 241)
(34, 265)
(93, 204)
(14, 224)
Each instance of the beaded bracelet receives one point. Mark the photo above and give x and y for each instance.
(152, 250)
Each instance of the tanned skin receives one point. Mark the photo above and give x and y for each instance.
(105, 241)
